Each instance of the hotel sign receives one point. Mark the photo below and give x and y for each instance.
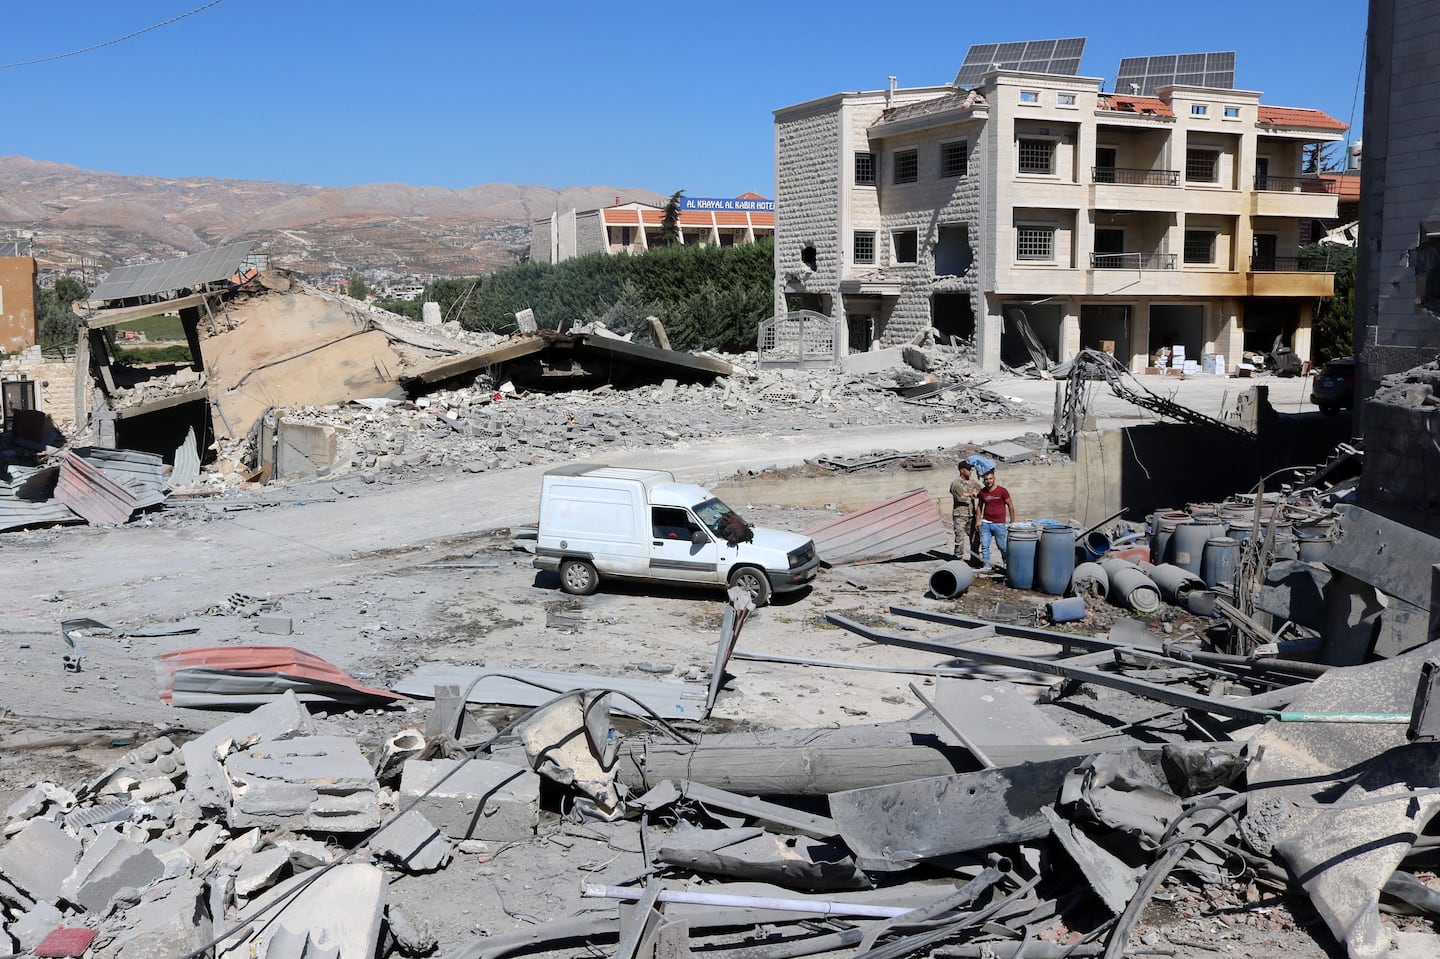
(722, 205)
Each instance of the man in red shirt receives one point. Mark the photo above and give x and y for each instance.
(995, 506)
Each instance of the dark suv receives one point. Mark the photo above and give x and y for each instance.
(1334, 387)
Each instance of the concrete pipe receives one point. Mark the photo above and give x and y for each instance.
(951, 580)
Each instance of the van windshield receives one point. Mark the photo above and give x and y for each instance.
(723, 521)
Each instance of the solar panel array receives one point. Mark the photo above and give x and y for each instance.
(188, 272)
(1149, 74)
(1058, 57)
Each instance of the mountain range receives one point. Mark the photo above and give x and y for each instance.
(82, 220)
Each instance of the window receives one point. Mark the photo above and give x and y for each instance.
(1202, 166)
(1199, 109)
(625, 237)
(1232, 113)
(1035, 243)
(1065, 99)
(1037, 156)
(1029, 96)
(864, 169)
(864, 246)
(907, 166)
(1199, 246)
(668, 522)
(906, 246)
(954, 159)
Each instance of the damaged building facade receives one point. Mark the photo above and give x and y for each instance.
(1102, 220)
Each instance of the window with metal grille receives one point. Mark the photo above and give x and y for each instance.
(907, 166)
(1199, 246)
(905, 246)
(864, 246)
(954, 159)
(1202, 166)
(864, 169)
(1035, 243)
(1036, 156)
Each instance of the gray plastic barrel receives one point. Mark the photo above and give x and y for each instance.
(1055, 558)
(1175, 582)
(1187, 547)
(1021, 542)
(1313, 545)
(1090, 580)
(952, 579)
(1164, 529)
(1217, 564)
(1240, 529)
(1132, 588)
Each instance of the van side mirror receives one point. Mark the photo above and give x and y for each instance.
(699, 538)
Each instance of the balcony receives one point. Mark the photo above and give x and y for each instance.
(1295, 184)
(1130, 176)
(1132, 261)
(1289, 264)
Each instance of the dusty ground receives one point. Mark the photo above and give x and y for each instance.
(350, 562)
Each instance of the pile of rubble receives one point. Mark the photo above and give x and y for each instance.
(491, 426)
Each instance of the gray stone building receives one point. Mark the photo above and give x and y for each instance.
(1132, 223)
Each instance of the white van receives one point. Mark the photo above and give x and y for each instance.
(608, 522)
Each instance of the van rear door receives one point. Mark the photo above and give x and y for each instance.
(673, 553)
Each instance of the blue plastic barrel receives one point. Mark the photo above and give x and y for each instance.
(1022, 540)
(1055, 558)
(1217, 564)
(1164, 531)
(1187, 545)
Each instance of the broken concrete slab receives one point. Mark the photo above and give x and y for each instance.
(411, 843)
(873, 361)
(205, 781)
(339, 913)
(991, 712)
(111, 863)
(478, 799)
(260, 871)
(572, 742)
(795, 861)
(321, 783)
(170, 920)
(33, 925)
(39, 857)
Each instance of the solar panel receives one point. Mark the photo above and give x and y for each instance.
(1058, 57)
(1143, 76)
(187, 272)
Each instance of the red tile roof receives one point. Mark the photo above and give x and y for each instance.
(1347, 185)
(1301, 118)
(733, 219)
(614, 217)
(1142, 106)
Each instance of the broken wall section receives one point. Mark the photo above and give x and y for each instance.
(1402, 459)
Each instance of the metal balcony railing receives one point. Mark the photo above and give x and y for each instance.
(1289, 264)
(1295, 184)
(1132, 261)
(1135, 177)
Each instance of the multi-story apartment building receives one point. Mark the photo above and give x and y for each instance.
(1097, 218)
(636, 227)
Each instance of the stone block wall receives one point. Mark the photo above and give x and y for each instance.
(1402, 458)
(807, 201)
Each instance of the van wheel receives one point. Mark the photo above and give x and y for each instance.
(578, 577)
(754, 582)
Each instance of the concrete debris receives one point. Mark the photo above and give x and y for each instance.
(474, 799)
(319, 783)
(111, 863)
(39, 857)
(411, 843)
(337, 913)
(207, 784)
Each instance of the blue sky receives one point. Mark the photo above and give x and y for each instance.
(664, 96)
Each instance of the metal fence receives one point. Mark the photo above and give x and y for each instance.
(800, 340)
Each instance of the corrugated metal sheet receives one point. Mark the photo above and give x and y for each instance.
(142, 475)
(905, 525)
(504, 686)
(27, 498)
(88, 491)
(187, 462)
(232, 676)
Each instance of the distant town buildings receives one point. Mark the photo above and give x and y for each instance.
(1028, 205)
(635, 227)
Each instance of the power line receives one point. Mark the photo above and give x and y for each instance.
(110, 43)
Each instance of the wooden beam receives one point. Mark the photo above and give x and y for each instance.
(99, 319)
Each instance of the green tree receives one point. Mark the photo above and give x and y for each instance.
(1334, 315)
(1318, 158)
(670, 225)
(357, 289)
(58, 322)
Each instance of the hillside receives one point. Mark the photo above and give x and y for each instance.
(77, 217)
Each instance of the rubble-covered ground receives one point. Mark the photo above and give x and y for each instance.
(420, 570)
